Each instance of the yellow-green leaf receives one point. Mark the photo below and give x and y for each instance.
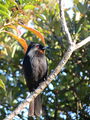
(2, 85)
(4, 14)
(29, 7)
(3, 7)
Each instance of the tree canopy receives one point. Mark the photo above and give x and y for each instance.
(68, 96)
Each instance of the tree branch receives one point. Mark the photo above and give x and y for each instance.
(63, 21)
(43, 85)
(72, 47)
(82, 43)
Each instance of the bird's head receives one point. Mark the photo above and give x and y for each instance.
(35, 47)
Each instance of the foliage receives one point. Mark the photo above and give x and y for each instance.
(68, 96)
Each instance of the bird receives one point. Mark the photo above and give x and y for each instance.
(35, 71)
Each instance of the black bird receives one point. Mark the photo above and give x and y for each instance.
(35, 71)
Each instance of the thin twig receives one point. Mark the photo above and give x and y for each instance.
(63, 21)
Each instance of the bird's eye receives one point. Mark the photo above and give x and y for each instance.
(37, 46)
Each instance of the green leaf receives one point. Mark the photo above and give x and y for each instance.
(14, 50)
(20, 1)
(11, 3)
(76, 1)
(88, 26)
(3, 7)
(29, 7)
(82, 8)
(2, 85)
(79, 28)
(4, 14)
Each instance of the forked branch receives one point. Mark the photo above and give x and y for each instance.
(72, 47)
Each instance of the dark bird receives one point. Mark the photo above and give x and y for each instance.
(35, 71)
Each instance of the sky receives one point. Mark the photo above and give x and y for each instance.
(69, 4)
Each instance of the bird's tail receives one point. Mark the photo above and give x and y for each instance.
(35, 108)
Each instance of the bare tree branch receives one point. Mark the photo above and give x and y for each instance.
(63, 21)
(72, 47)
(43, 85)
(82, 43)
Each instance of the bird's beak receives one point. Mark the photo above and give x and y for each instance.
(46, 47)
